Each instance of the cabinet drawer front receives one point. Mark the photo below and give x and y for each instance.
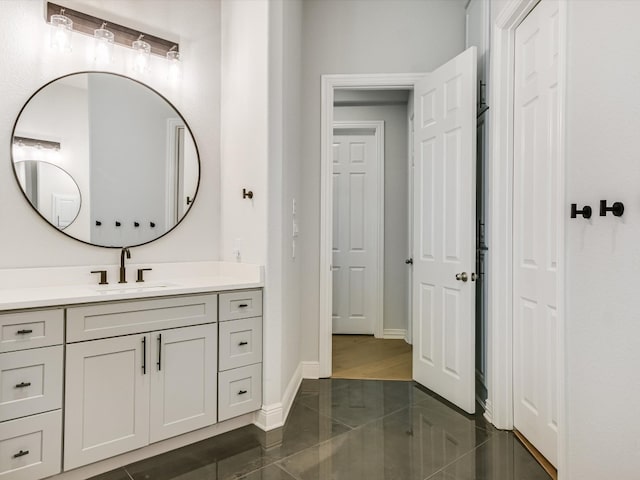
(239, 391)
(30, 447)
(38, 328)
(240, 305)
(124, 318)
(240, 343)
(30, 382)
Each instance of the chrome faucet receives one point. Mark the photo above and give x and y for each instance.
(123, 271)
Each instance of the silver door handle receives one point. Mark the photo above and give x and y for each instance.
(462, 276)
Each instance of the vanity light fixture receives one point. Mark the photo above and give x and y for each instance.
(103, 44)
(34, 142)
(116, 34)
(175, 65)
(142, 52)
(61, 28)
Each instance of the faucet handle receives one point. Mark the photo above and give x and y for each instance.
(103, 276)
(141, 273)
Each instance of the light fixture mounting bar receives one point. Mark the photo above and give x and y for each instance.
(34, 142)
(124, 36)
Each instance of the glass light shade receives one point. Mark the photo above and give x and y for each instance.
(103, 45)
(142, 52)
(61, 28)
(175, 66)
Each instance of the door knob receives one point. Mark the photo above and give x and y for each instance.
(462, 276)
(409, 261)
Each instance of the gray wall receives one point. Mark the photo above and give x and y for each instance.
(396, 284)
(359, 36)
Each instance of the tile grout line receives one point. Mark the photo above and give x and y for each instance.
(444, 467)
(296, 477)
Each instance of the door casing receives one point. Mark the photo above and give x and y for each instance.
(500, 171)
(328, 84)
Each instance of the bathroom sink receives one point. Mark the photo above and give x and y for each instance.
(132, 287)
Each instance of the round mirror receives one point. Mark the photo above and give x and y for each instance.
(50, 190)
(127, 150)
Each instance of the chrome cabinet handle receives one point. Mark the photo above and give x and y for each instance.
(462, 276)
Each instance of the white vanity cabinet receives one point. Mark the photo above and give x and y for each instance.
(128, 391)
(31, 365)
(240, 363)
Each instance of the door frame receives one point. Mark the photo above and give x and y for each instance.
(501, 184)
(378, 129)
(328, 84)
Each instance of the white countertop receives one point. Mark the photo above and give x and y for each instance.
(49, 287)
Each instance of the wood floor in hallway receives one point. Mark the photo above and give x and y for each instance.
(367, 357)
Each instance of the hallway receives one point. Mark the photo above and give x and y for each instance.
(352, 430)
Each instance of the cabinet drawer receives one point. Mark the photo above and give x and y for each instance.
(240, 342)
(124, 318)
(30, 382)
(38, 328)
(240, 305)
(239, 391)
(30, 447)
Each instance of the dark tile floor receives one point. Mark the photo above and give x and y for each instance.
(352, 430)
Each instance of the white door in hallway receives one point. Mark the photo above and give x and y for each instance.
(444, 238)
(535, 227)
(356, 204)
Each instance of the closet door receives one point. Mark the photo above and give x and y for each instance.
(535, 226)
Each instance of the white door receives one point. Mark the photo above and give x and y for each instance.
(183, 381)
(444, 231)
(65, 209)
(106, 398)
(356, 211)
(535, 226)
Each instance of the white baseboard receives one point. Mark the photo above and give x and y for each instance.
(395, 333)
(488, 411)
(311, 370)
(273, 416)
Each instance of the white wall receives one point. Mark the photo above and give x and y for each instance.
(603, 257)
(28, 63)
(359, 36)
(244, 130)
(396, 213)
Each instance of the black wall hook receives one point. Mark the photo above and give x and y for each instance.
(585, 212)
(118, 223)
(136, 224)
(617, 208)
(98, 223)
(247, 193)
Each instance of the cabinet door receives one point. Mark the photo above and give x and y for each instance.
(183, 383)
(107, 398)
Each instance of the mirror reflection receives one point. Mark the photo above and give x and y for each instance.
(129, 152)
(50, 190)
